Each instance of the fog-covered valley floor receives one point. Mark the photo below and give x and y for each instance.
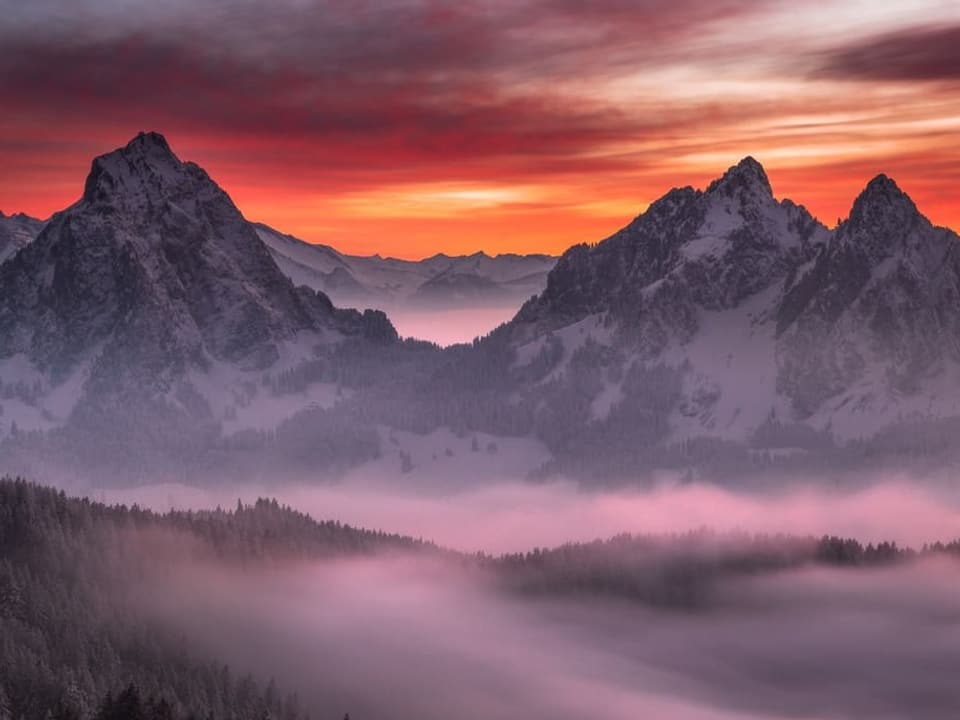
(719, 605)
(501, 601)
(395, 637)
(450, 326)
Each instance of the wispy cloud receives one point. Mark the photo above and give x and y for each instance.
(924, 53)
(604, 104)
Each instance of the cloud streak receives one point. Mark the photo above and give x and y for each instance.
(308, 110)
(915, 54)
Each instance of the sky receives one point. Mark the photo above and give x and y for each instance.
(410, 127)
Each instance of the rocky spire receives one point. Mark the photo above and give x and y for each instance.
(145, 168)
(881, 217)
(747, 175)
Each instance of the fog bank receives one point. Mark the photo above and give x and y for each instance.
(396, 638)
(510, 517)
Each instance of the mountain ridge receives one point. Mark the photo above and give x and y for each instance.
(720, 323)
(755, 319)
(147, 305)
(391, 283)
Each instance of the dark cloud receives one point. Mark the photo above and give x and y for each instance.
(415, 79)
(915, 54)
(286, 102)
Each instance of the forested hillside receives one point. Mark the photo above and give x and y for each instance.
(67, 636)
(78, 580)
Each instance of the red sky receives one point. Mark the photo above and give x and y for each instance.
(410, 127)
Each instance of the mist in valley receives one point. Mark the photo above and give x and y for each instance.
(433, 633)
(399, 635)
(515, 516)
(448, 326)
(543, 601)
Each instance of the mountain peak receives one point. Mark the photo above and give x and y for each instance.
(148, 142)
(748, 174)
(885, 188)
(144, 168)
(882, 203)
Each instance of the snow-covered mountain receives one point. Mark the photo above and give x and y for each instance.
(152, 307)
(438, 282)
(728, 316)
(150, 326)
(16, 232)
(870, 334)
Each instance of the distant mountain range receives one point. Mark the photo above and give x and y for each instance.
(150, 324)
(438, 282)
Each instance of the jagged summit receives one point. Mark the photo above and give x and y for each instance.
(149, 138)
(760, 325)
(154, 262)
(881, 220)
(145, 168)
(748, 174)
(147, 147)
(148, 306)
(689, 251)
(147, 143)
(882, 200)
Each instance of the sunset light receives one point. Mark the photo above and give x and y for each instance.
(495, 126)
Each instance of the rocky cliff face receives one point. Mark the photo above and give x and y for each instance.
(690, 250)
(16, 232)
(152, 297)
(156, 262)
(760, 326)
(151, 319)
(875, 322)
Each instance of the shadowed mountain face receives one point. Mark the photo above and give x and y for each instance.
(16, 232)
(722, 327)
(708, 250)
(156, 262)
(729, 315)
(880, 310)
(152, 280)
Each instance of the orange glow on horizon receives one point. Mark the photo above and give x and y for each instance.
(454, 137)
(416, 220)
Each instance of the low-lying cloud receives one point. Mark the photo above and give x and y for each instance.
(511, 517)
(429, 636)
(399, 638)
